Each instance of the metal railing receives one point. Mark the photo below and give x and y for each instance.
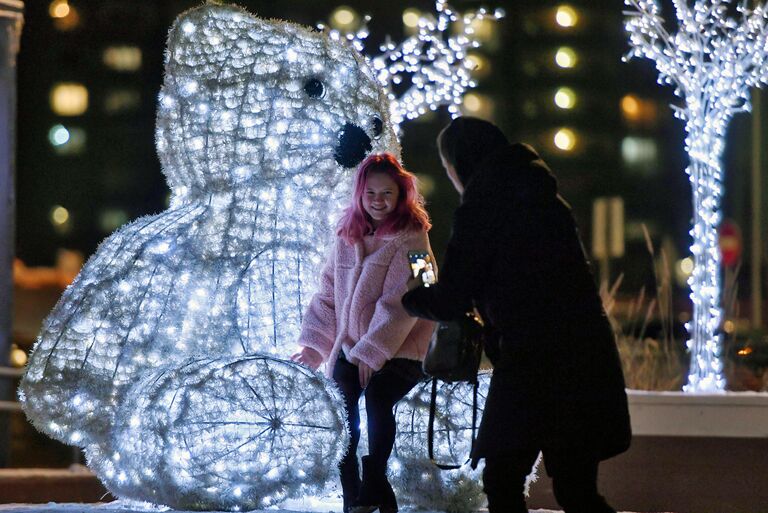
(10, 373)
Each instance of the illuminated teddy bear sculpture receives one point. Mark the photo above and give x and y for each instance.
(165, 359)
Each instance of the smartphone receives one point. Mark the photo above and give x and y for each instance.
(421, 265)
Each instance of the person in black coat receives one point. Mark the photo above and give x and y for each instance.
(516, 255)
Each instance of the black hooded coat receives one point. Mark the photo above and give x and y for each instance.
(515, 251)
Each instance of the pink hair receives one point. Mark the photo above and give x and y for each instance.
(409, 214)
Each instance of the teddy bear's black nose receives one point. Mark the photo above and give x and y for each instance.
(354, 144)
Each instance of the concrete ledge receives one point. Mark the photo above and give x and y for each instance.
(730, 414)
(689, 454)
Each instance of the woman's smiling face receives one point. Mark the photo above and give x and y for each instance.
(379, 197)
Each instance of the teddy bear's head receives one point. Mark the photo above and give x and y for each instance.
(253, 103)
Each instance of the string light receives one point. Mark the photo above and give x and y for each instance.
(260, 124)
(416, 479)
(428, 69)
(209, 435)
(712, 61)
(227, 270)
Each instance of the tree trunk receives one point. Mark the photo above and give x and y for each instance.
(705, 149)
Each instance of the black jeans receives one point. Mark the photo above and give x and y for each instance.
(574, 482)
(386, 387)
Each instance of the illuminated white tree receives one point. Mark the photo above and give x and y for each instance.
(428, 69)
(162, 360)
(718, 53)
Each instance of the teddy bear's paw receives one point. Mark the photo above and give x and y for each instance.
(221, 433)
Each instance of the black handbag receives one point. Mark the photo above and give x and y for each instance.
(456, 348)
(454, 355)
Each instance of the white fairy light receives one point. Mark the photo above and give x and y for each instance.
(276, 415)
(434, 65)
(258, 145)
(155, 359)
(712, 61)
(415, 478)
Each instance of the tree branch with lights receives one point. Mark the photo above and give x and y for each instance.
(718, 53)
(428, 69)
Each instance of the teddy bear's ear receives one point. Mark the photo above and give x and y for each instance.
(205, 36)
(210, 18)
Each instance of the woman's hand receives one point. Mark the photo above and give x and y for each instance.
(308, 357)
(364, 372)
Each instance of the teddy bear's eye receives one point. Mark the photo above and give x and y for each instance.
(314, 88)
(378, 127)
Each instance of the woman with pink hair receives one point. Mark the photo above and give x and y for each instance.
(357, 326)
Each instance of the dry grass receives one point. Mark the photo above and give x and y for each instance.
(649, 363)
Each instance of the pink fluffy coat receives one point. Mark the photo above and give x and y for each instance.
(357, 308)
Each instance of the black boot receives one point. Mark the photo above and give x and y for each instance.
(375, 491)
(349, 472)
(388, 499)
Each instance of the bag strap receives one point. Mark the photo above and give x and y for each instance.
(474, 418)
(431, 426)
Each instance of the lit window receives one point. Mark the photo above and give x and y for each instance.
(566, 57)
(18, 356)
(344, 18)
(565, 98)
(566, 16)
(65, 17)
(67, 141)
(484, 29)
(640, 154)
(112, 219)
(638, 111)
(59, 216)
(473, 102)
(60, 219)
(683, 270)
(122, 58)
(630, 106)
(426, 184)
(478, 105)
(411, 18)
(121, 100)
(565, 139)
(58, 135)
(59, 9)
(478, 65)
(69, 99)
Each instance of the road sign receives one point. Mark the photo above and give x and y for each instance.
(730, 242)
